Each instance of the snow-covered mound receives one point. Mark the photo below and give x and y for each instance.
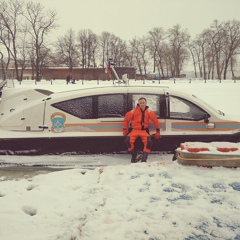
(139, 201)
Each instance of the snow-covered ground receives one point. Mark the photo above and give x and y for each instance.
(104, 197)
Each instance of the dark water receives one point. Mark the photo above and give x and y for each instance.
(16, 173)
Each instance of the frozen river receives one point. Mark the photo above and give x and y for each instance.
(15, 167)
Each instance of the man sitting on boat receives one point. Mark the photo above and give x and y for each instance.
(139, 121)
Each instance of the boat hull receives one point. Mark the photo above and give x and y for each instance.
(93, 145)
(71, 145)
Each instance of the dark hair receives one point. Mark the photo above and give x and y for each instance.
(142, 98)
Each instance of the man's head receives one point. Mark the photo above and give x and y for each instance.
(142, 102)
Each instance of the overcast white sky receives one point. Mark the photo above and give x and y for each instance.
(134, 18)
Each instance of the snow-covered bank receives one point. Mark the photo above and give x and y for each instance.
(161, 200)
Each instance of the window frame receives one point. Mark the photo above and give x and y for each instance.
(95, 105)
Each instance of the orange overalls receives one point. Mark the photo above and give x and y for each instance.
(139, 123)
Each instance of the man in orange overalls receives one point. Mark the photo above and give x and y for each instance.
(139, 119)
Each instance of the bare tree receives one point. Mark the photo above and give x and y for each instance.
(92, 50)
(104, 45)
(87, 43)
(23, 52)
(129, 55)
(163, 59)
(217, 35)
(66, 50)
(140, 50)
(231, 44)
(156, 44)
(11, 28)
(117, 50)
(216, 49)
(178, 45)
(111, 46)
(41, 23)
(194, 54)
(143, 51)
(4, 64)
(203, 51)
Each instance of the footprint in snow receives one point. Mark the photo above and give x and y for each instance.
(31, 187)
(2, 195)
(29, 210)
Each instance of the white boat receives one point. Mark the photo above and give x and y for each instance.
(89, 120)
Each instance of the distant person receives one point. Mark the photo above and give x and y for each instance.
(68, 79)
(73, 80)
(138, 119)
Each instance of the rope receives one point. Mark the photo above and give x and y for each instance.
(207, 159)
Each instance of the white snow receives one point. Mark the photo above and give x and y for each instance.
(116, 200)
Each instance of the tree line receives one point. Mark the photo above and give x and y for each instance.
(24, 40)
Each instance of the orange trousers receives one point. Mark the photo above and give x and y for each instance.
(134, 134)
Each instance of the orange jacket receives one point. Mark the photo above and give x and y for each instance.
(140, 119)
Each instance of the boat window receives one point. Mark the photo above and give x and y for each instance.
(152, 102)
(183, 109)
(111, 105)
(79, 107)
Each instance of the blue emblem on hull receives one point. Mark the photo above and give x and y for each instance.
(58, 122)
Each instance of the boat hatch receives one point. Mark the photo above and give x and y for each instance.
(12, 114)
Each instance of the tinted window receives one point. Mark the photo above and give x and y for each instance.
(105, 106)
(183, 109)
(111, 106)
(79, 107)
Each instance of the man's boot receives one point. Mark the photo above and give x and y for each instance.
(145, 156)
(134, 155)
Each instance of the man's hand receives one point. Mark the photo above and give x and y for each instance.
(125, 132)
(157, 134)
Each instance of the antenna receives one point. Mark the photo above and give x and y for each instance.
(112, 67)
(124, 79)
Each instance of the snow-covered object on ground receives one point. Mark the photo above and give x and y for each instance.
(213, 154)
(212, 147)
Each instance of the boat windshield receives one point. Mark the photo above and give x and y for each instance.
(214, 109)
